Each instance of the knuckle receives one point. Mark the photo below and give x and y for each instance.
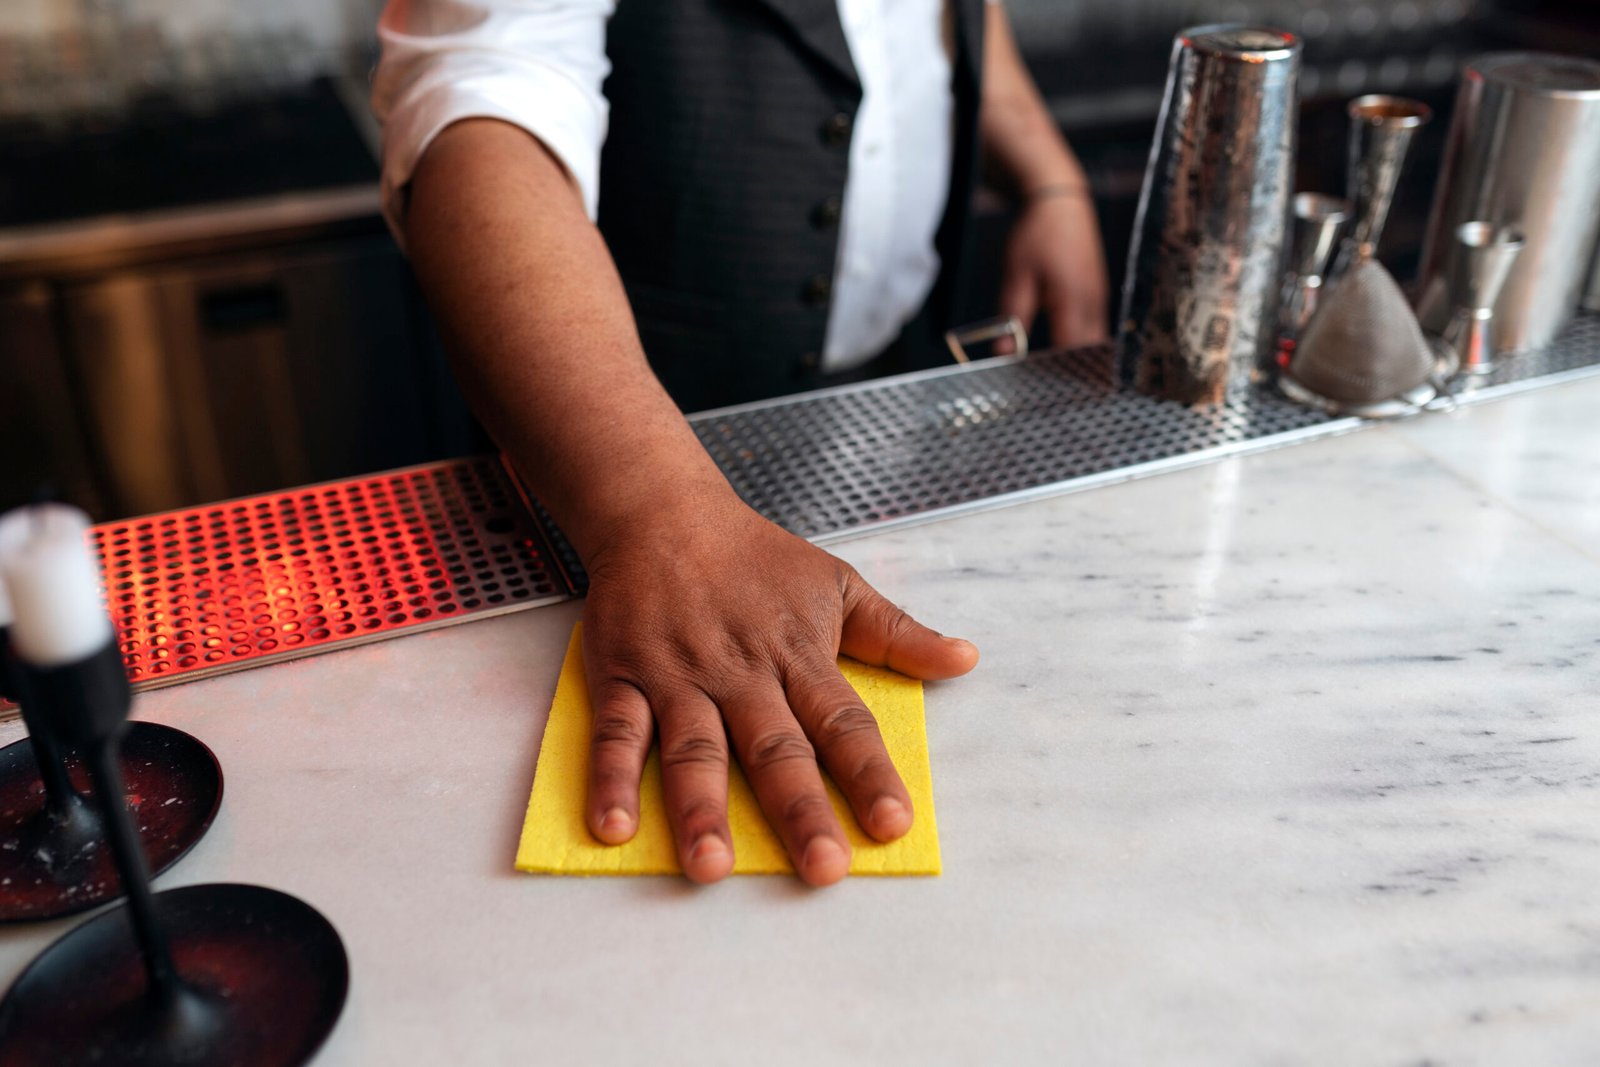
(692, 748)
(871, 769)
(610, 778)
(847, 722)
(620, 731)
(805, 808)
(898, 624)
(781, 746)
(699, 814)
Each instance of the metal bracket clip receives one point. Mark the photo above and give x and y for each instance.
(988, 330)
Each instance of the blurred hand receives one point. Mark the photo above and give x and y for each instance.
(713, 625)
(1055, 264)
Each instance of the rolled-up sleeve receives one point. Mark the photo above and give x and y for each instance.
(537, 64)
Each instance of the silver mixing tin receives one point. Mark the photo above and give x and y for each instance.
(1523, 150)
(1200, 300)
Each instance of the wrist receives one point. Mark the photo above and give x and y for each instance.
(658, 517)
(1068, 189)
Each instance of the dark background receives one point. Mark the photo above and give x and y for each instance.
(271, 359)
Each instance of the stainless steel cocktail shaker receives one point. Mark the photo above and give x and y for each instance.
(1524, 151)
(1200, 301)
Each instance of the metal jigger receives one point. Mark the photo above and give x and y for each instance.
(212, 974)
(1381, 128)
(1318, 220)
(51, 862)
(1484, 257)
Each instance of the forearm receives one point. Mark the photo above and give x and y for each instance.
(705, 626)
(1019, 136)
(541, 335)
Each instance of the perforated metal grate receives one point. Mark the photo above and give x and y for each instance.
(885, 453)
(1576, 353)
(327, 566)
(282, 575)
(892, 452)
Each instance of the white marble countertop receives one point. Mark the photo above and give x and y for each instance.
(1287, 759)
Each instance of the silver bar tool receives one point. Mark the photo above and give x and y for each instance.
(1484, 256)
(1205, 269)
(1381, 128)
(1318, 222)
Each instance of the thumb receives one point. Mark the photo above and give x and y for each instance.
(877, 632)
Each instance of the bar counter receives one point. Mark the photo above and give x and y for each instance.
(1287, 758)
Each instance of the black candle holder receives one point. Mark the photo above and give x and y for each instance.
(253, 976)
(209, 974)
(53, 864)
(52, 859)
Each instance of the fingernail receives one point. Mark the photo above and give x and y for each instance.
(823, 854)
(616, 821)
(709, 847)
(889, 816)
(964, 645)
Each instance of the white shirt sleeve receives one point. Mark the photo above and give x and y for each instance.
(538, 64)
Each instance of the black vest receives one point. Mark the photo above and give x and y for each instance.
(721, 179)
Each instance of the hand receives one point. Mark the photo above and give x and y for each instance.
(716, 625)
(1054, 261)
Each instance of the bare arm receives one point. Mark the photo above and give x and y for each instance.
(514, 269)
(702, 618)
(1054, 260)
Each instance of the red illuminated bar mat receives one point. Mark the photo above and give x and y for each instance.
(279, 576)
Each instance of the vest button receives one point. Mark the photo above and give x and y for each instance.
(836, 130)
(818, 290)
(825, 216)
(810, 361)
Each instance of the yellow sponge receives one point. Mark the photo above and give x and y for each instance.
(556, 839)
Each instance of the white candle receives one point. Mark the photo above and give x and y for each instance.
(54, 583)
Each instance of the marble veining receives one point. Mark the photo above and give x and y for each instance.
(1288, 759)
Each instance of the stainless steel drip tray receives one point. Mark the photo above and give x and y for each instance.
(283, 575)
(862, 458)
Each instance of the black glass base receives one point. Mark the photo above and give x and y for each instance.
(51, 866)
(263, 978)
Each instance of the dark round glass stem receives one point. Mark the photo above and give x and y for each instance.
(60, 799)
(59, 796)
(106, 775)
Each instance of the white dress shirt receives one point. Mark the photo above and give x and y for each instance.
(540, 64)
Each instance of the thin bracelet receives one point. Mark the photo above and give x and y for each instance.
(1048, 192)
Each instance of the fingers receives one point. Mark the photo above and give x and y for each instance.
(1019, 296)
(846, 736)
(782, 768)
(876, 631)
(1077, 321)
(694, 775)
(617, 750)
(694, 778)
